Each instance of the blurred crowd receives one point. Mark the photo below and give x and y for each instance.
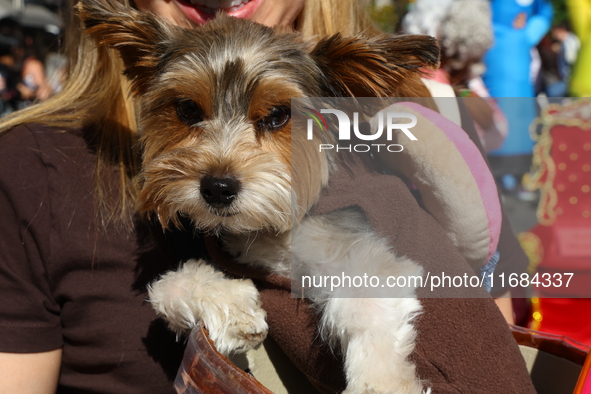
(470, 34)
(30, 67)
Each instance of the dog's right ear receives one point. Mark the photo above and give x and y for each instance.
(136, 35)
(380, 67)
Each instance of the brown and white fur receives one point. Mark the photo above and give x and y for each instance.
(217, 147)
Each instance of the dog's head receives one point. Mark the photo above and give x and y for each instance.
(217, 142)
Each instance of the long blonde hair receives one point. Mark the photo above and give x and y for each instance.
(327, 17)
(96, 95)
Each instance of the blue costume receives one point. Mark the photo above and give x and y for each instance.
(508, 66)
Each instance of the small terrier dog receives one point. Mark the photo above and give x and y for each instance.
(218, 147)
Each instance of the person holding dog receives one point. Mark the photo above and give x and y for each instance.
(75, 259)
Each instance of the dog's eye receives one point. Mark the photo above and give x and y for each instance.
(277, 118)
(189, 112)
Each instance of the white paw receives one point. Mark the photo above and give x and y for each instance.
(387, 385)
(374, 366)
(229, 308)
(237, 324)
(388, 376)
(172, 297)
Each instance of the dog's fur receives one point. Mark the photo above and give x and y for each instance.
(210, 97)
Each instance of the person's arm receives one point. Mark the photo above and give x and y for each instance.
(480, 111)
(505, 304)
(30, 323)
(30, 373)
(539, 23)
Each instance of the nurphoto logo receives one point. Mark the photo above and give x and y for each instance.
(391, 121)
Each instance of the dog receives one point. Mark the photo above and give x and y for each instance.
(218, 147)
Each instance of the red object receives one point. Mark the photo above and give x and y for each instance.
(561, 243)
(566, 316)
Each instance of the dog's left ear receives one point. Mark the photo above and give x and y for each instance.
(383, 67)
(136, 35)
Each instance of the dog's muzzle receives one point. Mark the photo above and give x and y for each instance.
(219, 192)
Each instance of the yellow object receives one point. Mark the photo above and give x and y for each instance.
(536, 313)
(532, 246)
(580, 16)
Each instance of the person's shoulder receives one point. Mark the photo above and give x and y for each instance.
(31, 135)
(18, 141)
(31, 144)
(40, 164)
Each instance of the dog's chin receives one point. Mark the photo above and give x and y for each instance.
(223, 212)
(218, 221)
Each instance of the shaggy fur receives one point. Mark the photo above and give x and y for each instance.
(215, 114)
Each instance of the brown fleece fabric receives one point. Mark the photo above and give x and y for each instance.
(464, 345)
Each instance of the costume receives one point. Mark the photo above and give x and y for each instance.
(580, 16)
(66, 282)
(508, 66)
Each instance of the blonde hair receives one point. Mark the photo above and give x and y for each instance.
(96, 95)
(327, 17)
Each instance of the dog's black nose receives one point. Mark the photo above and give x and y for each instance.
(219, 192)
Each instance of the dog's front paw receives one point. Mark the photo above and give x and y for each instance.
(387, 385)
(238, 323)
(381, 379)
(173, 296)
(371, 388)
(229, 308)
(374, 366)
